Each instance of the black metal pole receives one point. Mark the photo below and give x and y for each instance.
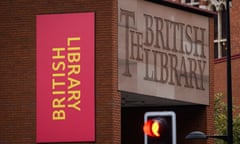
(229, 77)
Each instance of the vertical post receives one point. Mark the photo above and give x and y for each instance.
(229, 77)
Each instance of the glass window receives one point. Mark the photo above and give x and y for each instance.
(219, 31)
(194, 3)
(224, 23)
(215, 24)
(215, 50)
(224, 49)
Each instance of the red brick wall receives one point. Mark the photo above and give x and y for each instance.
(18, 67)
(235, 27)
(220, 64)
(235, 47)
(210, 108)
(220, 75)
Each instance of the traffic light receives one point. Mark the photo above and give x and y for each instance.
(159, 128)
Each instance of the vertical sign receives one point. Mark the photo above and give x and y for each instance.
(65, 77)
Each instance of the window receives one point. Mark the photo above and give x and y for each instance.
(219, 31)
(219, 24)
(194, 3)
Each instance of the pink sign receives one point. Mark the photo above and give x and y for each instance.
(65, 78)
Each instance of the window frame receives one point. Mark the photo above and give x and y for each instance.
(219, 39)
(192, 2)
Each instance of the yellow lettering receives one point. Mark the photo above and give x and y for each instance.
(58, 74)
(54, 84)
(60, 65)
(58, 92)
(58, 52)
(73, 69)
(73, 48)
(74, 95)
(75, 105)
(58, 115)
(73, 57)
(73, 83)
(72, 39)
(57, 103)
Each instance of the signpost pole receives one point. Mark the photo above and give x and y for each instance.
(229, 77)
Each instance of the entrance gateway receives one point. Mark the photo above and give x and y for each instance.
(163, 53)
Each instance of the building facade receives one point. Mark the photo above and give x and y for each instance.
(219, 6)
(119, 106)
(220, 67)
(220, 61)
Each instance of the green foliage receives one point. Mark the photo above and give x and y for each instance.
(220, 120)
(220, 117)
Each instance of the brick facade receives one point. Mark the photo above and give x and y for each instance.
(220, 64)
(18, 67)
(18, 72)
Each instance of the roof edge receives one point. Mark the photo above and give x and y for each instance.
(184, 7)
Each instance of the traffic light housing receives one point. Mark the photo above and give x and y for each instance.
(159, 128)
